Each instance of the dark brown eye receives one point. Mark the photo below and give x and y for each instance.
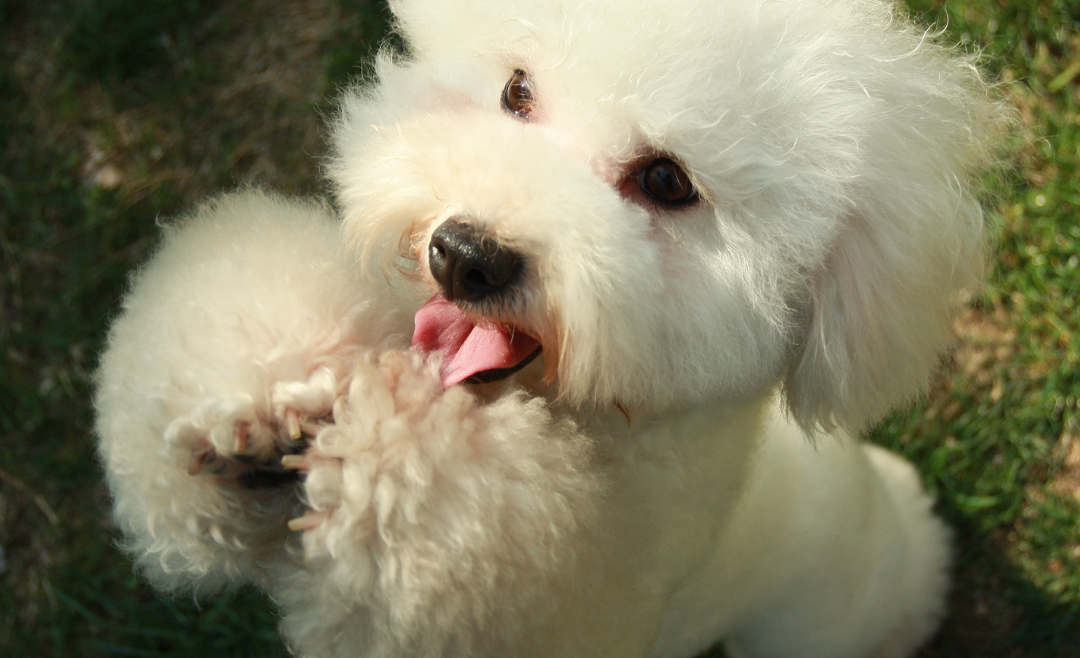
(667, 183)
(517, 98)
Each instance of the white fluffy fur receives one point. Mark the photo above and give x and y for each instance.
(647, 487)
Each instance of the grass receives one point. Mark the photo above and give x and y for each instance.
(106, 129)
(999, 438)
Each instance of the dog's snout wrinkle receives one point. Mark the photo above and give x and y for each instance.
(469, 263)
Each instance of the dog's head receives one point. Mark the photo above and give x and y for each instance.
(674, 201)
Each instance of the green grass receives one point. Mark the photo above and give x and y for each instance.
(106, 129)
(994, 438)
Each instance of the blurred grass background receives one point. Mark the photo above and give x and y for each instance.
(116, 112)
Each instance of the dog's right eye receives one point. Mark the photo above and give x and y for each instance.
(517, 98)
(666, 182)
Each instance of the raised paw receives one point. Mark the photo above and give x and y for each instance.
(233, 437)
(353, 465)
(414, 489)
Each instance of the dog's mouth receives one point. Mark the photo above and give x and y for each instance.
(472, 352)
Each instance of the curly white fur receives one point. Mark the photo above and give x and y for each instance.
(646, 486)
(427, 528)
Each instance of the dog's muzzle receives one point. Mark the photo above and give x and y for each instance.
(470, 264)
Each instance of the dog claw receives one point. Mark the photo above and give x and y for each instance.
(310, 429)
(309, 521)
(292, 424)
(196, 461)
(240, 438)
(296, 463)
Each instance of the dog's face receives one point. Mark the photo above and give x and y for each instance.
(673, 202)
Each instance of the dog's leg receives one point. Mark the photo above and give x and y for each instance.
(842, 555)
(231, 343)
(918, 596)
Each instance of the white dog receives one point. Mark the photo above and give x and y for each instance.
(658, 263)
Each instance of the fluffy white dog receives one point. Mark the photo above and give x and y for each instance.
(657, 262)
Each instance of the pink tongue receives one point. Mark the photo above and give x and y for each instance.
(467, 348)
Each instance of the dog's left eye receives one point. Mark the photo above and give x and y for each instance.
(517, 98)
(666, 182)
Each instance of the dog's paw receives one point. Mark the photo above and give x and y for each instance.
(252, 441)
(413, 490)
(352, 464)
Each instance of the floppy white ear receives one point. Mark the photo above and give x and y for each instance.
(880, 307)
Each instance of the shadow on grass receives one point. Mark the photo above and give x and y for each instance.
(994, 610)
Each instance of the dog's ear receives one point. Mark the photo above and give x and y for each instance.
(880, 315)
(879, 310)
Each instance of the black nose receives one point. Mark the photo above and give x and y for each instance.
(469, 262)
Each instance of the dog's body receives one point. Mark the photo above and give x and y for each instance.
(720, 225)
